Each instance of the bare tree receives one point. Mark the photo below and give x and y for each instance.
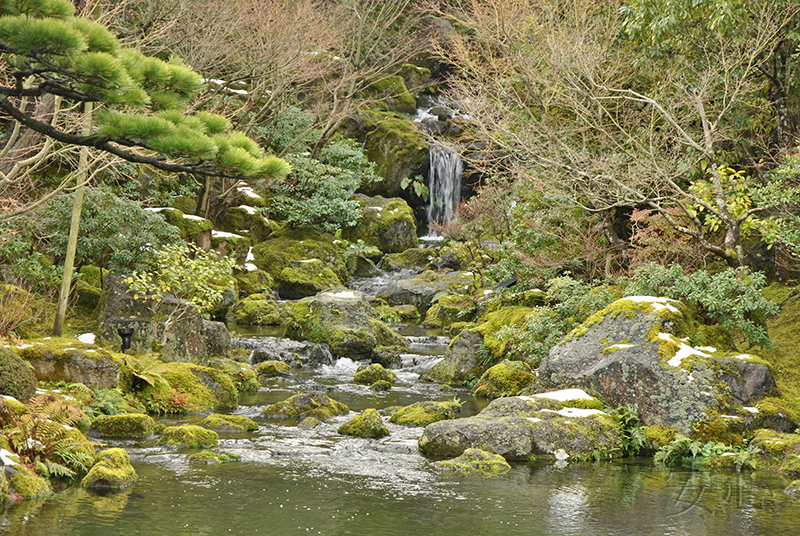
(577, 110)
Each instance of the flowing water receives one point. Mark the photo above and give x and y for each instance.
(295, 480)
(444, 178)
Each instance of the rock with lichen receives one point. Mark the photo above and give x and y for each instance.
(367, 424)
(427, 412)
(272, 369)
(112, 470)
(506, 378)
(476, 461)
(372, 373)
(125, 425)
(188, 436)
(229, 423)
(343, 319)
(636, 352)
(386, 223)
(520, 427)
(312, 404)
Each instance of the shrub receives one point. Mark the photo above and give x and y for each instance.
(16, 376)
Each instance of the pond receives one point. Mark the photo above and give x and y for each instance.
(295, 480)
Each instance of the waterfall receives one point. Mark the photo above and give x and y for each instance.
(444, 179)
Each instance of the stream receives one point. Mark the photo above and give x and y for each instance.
(295, 480)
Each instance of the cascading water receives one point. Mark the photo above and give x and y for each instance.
(444, 178)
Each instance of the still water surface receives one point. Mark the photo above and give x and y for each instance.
(292, 480)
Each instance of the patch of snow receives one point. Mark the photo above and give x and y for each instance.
(579, 412)
(620, 346)
(192, 217)
(310, 260)
(534, 419)
(709, 349)
(684, 350)
(250, 256)
(751, 409)
(655, 303)
(22, 346)
(564, 395)
(731, 417)
(247, 208)
(250, 267)
(87, 338)
(8, 397)
(8, 457)
(237, 91)
(157, 209)
(223, 234)
(743, 356)
(247, 191)
(347, 294)
(487, 292)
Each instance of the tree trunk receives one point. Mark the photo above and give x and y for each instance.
(72, 243)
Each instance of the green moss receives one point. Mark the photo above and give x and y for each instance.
(188, 435)
(313, 404)
(476, 460)
(229, 423)
(204, 388)
(256, 309)
(370, 374)
(271, 369)
(425, 413)
(448, 310)
(410, 258)
(777, 407)
(507, 378)
(393, 92)
(386, 223)
(396, 147)
(209, 457)
(658, 436)
(368, 424)
(309, 422)
(112, 470)
(493, 322)
(17, 378)
(244, 378)
(29, 486)
(189, 227)
(305, 278)
(381, 385)
(254, 282)
(126, 425)
(185, 204)
(777, 452)
(283, 247)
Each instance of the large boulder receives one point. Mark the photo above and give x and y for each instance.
(507, 378)
(367, 424)
(189, 436)
(421, 289)
(286, 246)
(245, 220)
(189, 339)
(68, 359)
(192, 228)
(176, 387)
(427, 412)
(297, 354)
(387, 224)
(312, 404)
(125, 425)
(344, 320)
(112, 470)
(300, 279)
(461, 359)
(520, 427)
(634, 353)
(258, 309)
(399, 151)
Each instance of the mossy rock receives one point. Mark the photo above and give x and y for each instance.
(344, 320)
(89, 288)
(461, 360)
(492, 324)
(399, 151)
(425, 413)
(286, 246)
(407, 313)
(184, 203)
(507, 378)
(254, 282)
(15, 405)
(312, 404)
(388, 224)
(368, 424)
(300, 279)
(374, 372)
(381, 385)
(244, 378)
(309, 422)
(416, 78)
(793, 489)
(257, 309)
(111, 470)
(245, 219)
(476, 461)
(230, 244)
(410, 258)
(776, 451)
(388, 356)
(188, 436)
(17, 378)
(28, 486)
(229, 423)
(191, 227)
(125, 425)
(208, 457)
(205, 388)
(273, 368)
(449, 309)
(392, 91)
(68, 359)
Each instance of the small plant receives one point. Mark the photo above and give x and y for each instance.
(417, 185)
(630, 430)
(688, 451)
(171, 404)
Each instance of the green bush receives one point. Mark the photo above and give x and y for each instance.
(16, 376)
